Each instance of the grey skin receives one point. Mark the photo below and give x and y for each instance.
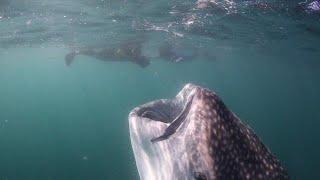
(129, 51)
(195, 136)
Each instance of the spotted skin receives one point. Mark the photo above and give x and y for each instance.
(211, 143)
(231, 148)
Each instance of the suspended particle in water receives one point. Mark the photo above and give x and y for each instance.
(29, 22)
(84, 158)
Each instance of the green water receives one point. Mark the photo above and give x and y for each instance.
(63, 123)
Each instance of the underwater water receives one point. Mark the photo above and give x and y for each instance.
(71, 122)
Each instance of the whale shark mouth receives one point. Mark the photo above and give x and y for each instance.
(162, 110)
(169, 111)
(150, 121)
(165, 110)
(195, 136)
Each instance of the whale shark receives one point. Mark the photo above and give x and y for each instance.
(196, 136)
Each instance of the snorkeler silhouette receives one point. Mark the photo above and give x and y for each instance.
(176, 54)
(129, 51)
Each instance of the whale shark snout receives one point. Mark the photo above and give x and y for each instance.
(195, 136)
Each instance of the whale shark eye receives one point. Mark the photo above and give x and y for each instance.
(199, 176)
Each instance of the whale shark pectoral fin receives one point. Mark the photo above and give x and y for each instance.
(171, 129)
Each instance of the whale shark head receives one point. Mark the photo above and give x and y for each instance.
(195, 136)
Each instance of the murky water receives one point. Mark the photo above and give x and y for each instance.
(70, 122)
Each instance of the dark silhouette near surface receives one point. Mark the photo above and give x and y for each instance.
(128, 51)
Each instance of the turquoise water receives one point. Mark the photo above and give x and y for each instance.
(70, 122)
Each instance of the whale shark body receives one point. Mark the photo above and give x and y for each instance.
(195, 136)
